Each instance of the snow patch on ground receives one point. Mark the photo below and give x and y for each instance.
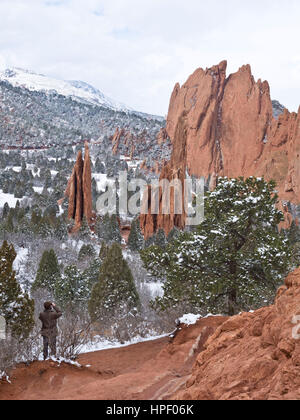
(38, 190)
(8, 198)
(101, 343)
(22, 255)
(189, 319)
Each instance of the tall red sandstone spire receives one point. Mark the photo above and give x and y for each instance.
(87, 185)
(79, 190)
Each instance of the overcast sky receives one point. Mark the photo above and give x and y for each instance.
(136, 50)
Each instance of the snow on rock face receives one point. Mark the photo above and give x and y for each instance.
(80, 91)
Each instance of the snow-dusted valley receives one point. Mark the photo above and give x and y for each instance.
(44, 124)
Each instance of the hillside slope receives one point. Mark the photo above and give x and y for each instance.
(253, 356)
(38, 112)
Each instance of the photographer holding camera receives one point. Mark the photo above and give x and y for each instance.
(49, 330)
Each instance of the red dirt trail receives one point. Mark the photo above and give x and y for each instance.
(151, 370)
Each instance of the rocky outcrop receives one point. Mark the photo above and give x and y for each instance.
(79, 190)
(230, 130)
(252, 356)
(87, 185)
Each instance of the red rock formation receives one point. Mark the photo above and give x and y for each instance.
(162, 136)
(229, 130)
(252, 356)
(116, 139)
(87, 185)
(79, 190)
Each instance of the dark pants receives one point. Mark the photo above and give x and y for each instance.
(52, 342)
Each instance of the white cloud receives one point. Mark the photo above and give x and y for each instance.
(135, 51)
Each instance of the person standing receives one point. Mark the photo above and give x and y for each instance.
(49, 330)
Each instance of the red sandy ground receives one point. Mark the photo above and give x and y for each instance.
(151, 370)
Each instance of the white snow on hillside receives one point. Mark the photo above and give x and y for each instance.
(22, 255)
(77, 90)
(8, 198)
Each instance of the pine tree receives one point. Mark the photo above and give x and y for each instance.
(150, 241)
(90, 275)
(86, 251)
(136, 239)
(61, 230)
(160, 239)
(235, 260)
(71, 291)
(103, 251)
(175, 232)
(48, 272)
(5, 211)
(84, 231)
(108, 229)
(293, 236)
(15, 306)
(115, 293)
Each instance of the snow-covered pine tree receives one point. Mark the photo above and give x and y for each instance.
(115, 293)
(160, 239)
(71, 291)
(136, 239)
(108, 229)
(48, 272)
(15, 306)
(175, 232)
(236, 258)
(5, 210)
(103, 251)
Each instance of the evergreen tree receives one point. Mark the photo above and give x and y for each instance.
(175, 232)
(115, 293)
(15, 306)
(45, 229)
(103, 251)
(84, 231)
(150, 241)
(90, 276)
(71, 291)
(9, 224)
(160, 239)
(293, 236)
(5, 211)
(236, 258)
(86, 251)
(108, 229)
(48, 272)
(136, 239)
(61, 229)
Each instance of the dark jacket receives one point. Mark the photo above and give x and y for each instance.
(49, 322)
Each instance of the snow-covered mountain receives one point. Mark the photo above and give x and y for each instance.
(77, 90)
(42, 112)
